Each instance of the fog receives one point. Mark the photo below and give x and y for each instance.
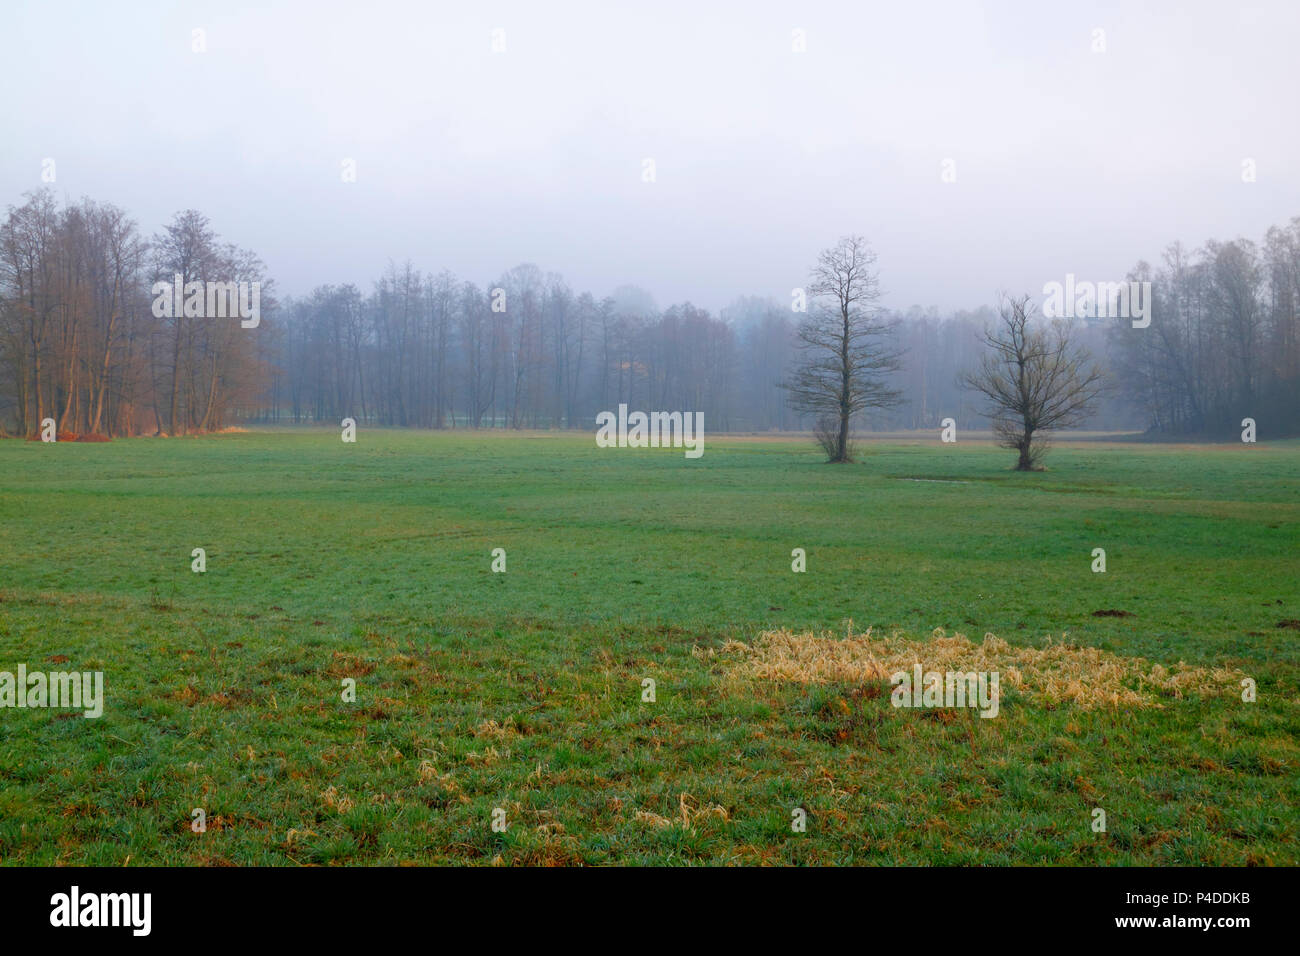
(1066, 160)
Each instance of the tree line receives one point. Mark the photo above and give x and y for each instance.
(80, 343)
(1224, 341)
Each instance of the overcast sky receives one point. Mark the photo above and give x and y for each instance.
(1066, 160)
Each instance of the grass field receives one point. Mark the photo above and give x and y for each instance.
(523, 691)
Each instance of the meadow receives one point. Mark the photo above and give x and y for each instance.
(523, 691)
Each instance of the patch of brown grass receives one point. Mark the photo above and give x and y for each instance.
(1059, 672)
(336, 801)
(349, 665)
(689, 812)
(502, 733)
(187, 695)
(652, 818)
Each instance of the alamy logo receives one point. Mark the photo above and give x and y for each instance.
(82, 691)
(103, 909)
(208, 300)
(1098, 300)
(950, 689)
(655, 430)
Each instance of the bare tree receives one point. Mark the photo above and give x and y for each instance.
(846, 354)
(1036, 380)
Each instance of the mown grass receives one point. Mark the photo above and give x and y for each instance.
(522, 690)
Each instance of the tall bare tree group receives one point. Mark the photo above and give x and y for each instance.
(1224, 339)
(522, 350)
(79, 343)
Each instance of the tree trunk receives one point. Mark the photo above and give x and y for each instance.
(176, 375)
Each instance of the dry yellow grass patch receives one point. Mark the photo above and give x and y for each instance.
(654, 819)
(689, 812)
(296, 836)
(501, 733)
(428, 773)
(337, 801)
(1085, 676)
(487, 758)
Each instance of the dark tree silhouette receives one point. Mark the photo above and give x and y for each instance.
(845, 345)
(1036, 380)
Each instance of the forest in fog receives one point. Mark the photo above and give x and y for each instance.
(81, 343)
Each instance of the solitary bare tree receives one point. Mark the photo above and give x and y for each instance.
(845, 345)
(1036, 380)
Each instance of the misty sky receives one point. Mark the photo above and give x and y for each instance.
(1066, 160)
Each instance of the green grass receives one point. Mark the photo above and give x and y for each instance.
(327, 560)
